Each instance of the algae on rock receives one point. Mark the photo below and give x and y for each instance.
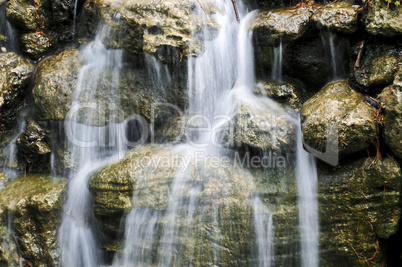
(33, 206)
(360, 203)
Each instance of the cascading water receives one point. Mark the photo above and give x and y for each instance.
(218, 79)
(277, 63)
(335, 48)
(90, 151)
(11, 41)
(306, 175)
(265, 229)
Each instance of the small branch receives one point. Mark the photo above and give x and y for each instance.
(202, 8)
(235, 10)
(359, 55)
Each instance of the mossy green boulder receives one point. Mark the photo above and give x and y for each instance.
(32, 206)
(15, 73)
(338, 118)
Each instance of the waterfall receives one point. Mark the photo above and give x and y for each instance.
(90, 147)
(75, 17)
(11, 42)
(306, 175)
(12, 149)
(277, 62)
(265, 233)
(335, 48)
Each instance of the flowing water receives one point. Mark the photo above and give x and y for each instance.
(89, 150)
(335, 48)
(277, 63)
(306, 175)
(219, 79)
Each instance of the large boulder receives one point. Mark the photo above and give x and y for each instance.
(338, 119)
(259, 124)
(377, 68)
(359, 208)
(382, 20)
(391, 102)
(14, 78)
(34, 148)
(31, 206)
(339, 17)
(150, 174)
(286, 24)
(151, 26)
(55, 81)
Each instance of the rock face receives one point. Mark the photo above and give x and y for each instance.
(33, 148)
(380, 20)
(260, 124)
(36, 44)
(338, 115)
(213, 187)
(33, 206)
(14, 79)
(359, 204)
(285, 93)
(43, 23)
(151, 26)
(55, 80)
(391, 102)
(288, 24)
(133, 92)
(378, 67)
(340, 17)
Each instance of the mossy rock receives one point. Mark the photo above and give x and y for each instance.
(143, 26)
(33, 148)
(382, 20)
(391, 102)
(15, 73)
(33, 207)
(338, 119)
(286, 24)
(359, 204)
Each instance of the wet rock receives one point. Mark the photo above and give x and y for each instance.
(391, 102)
(91, 18)
(133, 92)
(380, 20)
(35, 45)
(285, 93)
(8, 248)
(33, 148)
(32, 206)
(55, 80)
(44, 23)
(221, 188)
(173, 131)
(378, 66)
(337, 115)
(339, 17)
(153, 26)
(288, 24)
(309, 63)
(29, 15)
(359, 203)
(14, 79)
(260, 124)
